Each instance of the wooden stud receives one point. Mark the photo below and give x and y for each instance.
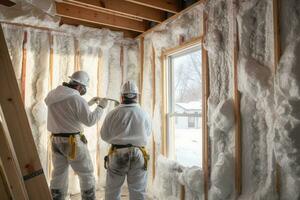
(11, 167)
(77, 55)
(84, 14)
(236, 97)
(164, 107)
(49, 146)
(122, 64)
(24, 62)
(19, 129)
(142, 67)
(205, 95)
(153, 109)
(277, 54)
(99, 93)
(182, 192)
(171, 6)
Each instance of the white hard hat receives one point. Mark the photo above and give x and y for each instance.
(129, 88)
(80, 77)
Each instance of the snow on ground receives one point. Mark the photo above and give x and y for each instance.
(188, 145)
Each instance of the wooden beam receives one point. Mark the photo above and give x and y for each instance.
(124, 9)
(96, 17)
(11, 166)
(7, 3)
(98, 5)
(75, 22)
(170, 19)
(205, 95)
(4, 189)
(171, 6)
(19, 129)
(183, 46)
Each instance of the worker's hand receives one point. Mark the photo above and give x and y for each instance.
(103, 103)
(94, 100)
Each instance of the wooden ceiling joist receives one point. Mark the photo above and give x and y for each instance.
(123, 8)
(7, 3)
(171, 6)
(111, 20)
(128, 34)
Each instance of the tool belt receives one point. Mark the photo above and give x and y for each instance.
(119, 146)
(72, 141)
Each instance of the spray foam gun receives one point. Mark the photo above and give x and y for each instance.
(109, 99)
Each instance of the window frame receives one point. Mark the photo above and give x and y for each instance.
(171, 113)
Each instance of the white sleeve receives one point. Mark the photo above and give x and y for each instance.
(85, 116)
(104, 132)
(148, 125)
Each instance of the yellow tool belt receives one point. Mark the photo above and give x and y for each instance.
(72, 142)
(113, 148)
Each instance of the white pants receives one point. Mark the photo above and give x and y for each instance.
(130, 162)
(82, 165)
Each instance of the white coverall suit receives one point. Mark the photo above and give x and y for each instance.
(67, 111)
(126, 124)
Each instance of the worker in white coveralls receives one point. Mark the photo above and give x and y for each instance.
(127, 129)
(67, 112)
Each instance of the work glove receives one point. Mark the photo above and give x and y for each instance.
(93, 101)
(103, 103)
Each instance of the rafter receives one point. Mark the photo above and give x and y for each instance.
(111, 20)
(123, 8)
(75, 22)
(7, 3)
(171, 6)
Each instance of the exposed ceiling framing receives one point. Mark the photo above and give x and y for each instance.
(133, 17)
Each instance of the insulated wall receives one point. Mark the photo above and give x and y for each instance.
(168, 179)
(44, 59)
(241, 43)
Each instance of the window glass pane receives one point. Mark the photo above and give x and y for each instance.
(186, 92)
(188, 141)
(187, 80)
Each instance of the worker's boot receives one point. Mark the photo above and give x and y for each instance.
(57, 194)
(89, 194)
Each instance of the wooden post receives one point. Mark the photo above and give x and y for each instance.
(19, 129)
(277, 54)
(205, 95)
(24, 61)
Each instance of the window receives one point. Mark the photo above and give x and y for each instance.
(184, 94)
